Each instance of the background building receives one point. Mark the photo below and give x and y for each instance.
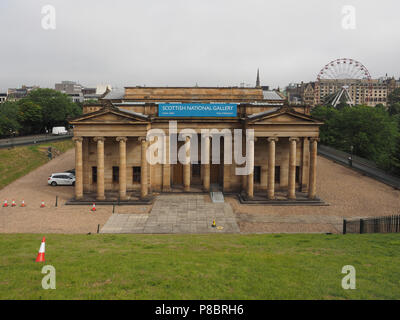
(79, 93)
(15, 94)
(366, 92)
(3, 97)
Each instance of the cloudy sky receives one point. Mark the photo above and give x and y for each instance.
(184, 42)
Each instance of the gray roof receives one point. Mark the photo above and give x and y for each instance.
(128, 103)
(271, 95)
(260, 114)
(134, 113)
(117, 94)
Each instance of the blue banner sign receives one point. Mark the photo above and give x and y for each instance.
(197, 110)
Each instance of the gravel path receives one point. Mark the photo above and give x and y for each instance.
(350, 195)
(33, 188)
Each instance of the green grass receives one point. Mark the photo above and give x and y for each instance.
(201, 266)
(19, 161)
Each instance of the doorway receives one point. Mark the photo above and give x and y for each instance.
(215, 174)
(177, 174)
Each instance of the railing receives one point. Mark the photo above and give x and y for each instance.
(344, 155)
(386, 224)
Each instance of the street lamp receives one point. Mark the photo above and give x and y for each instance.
(351, 156)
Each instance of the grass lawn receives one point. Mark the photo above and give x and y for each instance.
(201, 266)
(19, 161)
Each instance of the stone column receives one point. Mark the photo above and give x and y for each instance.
(312, 189)
(86, 167)
(271, 168)
(166, 168)
(186, 167)
(206, 166)
(243, 177)
(250, 177)
(143, 170)
(292, 168)
(305, 165)
(78, 168)
(122, 167)
(100, 168)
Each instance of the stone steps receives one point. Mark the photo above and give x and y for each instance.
(217, 197)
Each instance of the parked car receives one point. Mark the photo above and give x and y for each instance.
(61, 179)
(59, 131)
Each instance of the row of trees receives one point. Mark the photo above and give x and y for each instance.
(374, 133)
(42, 109)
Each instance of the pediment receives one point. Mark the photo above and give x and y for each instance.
(108, 115)
(284, 116)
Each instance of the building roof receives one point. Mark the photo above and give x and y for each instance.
(133, 113)
(264, 113)
(117, 94)
(271, 95)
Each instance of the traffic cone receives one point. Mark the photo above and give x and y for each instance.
(94, 207)
(5, 203)
(13, 203)
(23, 203)
(40, 256)
(42, 205)
(213, 224)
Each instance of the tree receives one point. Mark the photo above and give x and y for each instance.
(56, 107)
(394, 109)
(394, 97)
(372, 132)
(29, 116)
(9, 119)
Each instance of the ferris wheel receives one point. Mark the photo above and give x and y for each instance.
(342, 73)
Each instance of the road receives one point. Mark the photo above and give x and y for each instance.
(33, 139)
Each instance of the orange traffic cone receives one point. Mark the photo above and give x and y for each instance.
(94, 207)
(40, 256)
(42, 205)
(5, 203)
(13, 203)
(23, 203)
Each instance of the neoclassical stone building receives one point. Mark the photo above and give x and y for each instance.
(111, 145)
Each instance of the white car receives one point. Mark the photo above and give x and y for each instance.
(59, 131)
(61, 179)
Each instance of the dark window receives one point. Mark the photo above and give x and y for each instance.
(94, 174)
(136, 174)
(196, 170)
(257, 174)
(278, 174)
(115, 174)
(297, 174)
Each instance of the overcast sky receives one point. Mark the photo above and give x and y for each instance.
(184, 42)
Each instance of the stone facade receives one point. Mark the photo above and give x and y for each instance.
(111, 145)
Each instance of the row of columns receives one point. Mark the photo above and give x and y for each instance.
(186, 168)
(100, 168)
(292, 168)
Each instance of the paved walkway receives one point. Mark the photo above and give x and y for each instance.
(176, 214)
(274, 223)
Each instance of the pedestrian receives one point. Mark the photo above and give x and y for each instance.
(350, 161)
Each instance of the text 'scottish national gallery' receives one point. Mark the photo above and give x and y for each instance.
(147, 140)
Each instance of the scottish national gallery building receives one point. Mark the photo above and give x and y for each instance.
(147, 140)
